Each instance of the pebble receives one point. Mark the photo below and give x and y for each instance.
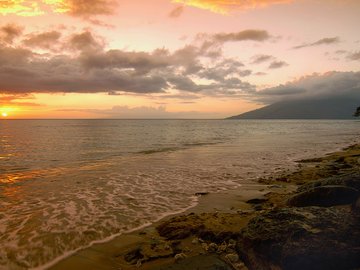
(195, 241)
(232, 257)
(205, 246)
(213, 247)
(232, 243)
(180, 256)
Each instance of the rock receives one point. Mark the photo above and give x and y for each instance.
(148, 252)
(240, 266)
(195, 241)
(356, 206)
(180, 227)
(222, 248)
(311, 238)
(212, 227)
(350, 180)
(201, 262)
(232, 243)
(205, 246)
(201, 193)
(180, 256)
(257, 201)
(232, 257)
(134, 255)
(324, 196)
(213, 247)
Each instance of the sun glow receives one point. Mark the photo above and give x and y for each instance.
(4, 114)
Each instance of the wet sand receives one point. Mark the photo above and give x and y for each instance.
(216, 215)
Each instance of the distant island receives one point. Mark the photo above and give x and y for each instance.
(329, 108)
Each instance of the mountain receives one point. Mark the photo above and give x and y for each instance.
(330, 108)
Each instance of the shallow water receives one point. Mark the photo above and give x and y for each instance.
(67, 183)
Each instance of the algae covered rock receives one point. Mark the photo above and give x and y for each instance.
(302, 238)
(324, 196)
(351, 180)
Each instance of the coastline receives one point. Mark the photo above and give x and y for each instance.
(220, 215)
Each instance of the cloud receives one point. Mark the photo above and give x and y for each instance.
(45, 40)
(258, 59)
(323, 41)
(226, 6)
(22, 100)
(85, 9)
(9, 32)
(354, 56)
(88, 8)
(212, 44)
(85, 41)
(176, 12)
(80, 63)
(125, 112)
(251, 34)
(316, 86)
(277, 64)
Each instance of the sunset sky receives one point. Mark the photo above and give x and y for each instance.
(172, 59)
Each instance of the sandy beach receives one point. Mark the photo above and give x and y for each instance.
(211, 235)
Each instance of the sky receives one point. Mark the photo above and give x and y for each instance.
(173, 58)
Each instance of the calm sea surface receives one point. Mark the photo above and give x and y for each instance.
(65, 184)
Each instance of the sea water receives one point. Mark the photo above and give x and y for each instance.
(65, 184)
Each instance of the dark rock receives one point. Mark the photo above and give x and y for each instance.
(325, 196)
(257, 201)
(180, 227)
(311, 238)
(201, 262)
(356, 206)
(148, 252)
(201, 193)
(133, 255)
(213, 227)
(349, 180)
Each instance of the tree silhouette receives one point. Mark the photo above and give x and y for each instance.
(357, 113)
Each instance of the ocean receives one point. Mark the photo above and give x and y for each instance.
(66, 184)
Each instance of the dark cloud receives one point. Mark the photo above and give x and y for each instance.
(251, 34)
(211, 45)
(176, 12)
(316, 86)
(277, 64)
(46, 40)
(85, 66)
(354, 56)
(85, 42)
(258, 59)
(323, 41)
(9, 32)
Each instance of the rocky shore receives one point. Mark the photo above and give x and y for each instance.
(307, 219)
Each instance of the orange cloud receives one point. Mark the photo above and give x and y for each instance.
(79, 8)
(20, 7)
(224, 6)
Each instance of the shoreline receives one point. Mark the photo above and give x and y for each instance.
(234, 206)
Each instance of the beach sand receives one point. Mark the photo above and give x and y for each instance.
(204, 234)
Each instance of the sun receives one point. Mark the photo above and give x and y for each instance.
(4, 114)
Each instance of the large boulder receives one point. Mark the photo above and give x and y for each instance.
(312, 238)
(324, 196)
(349, 180)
